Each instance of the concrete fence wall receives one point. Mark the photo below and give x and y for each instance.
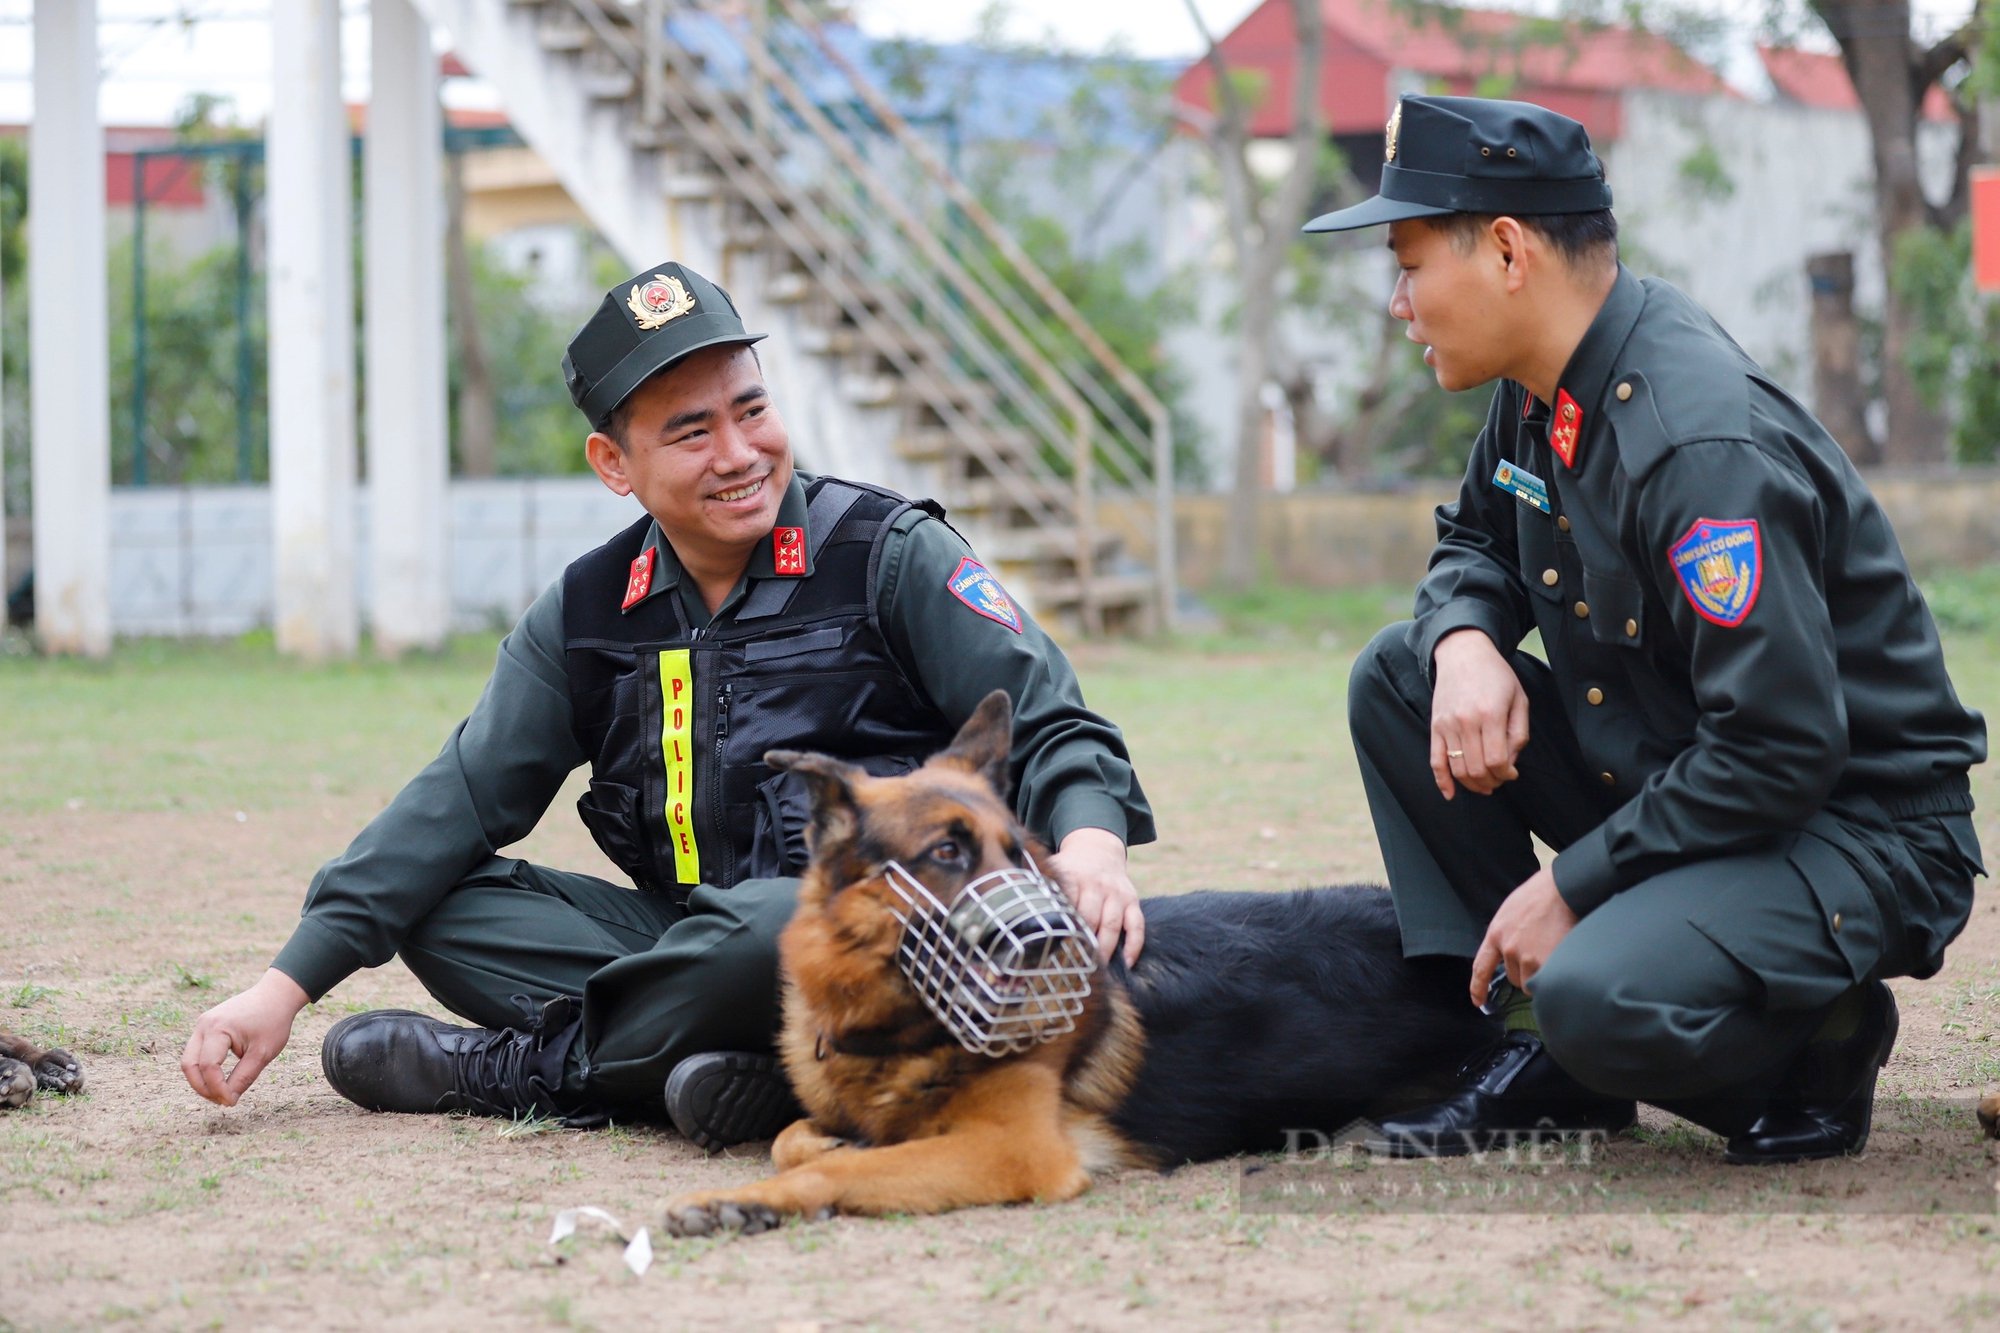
(192, 561)
(1333, 539)
(197, 560)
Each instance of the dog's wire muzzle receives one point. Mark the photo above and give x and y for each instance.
(1006, 965)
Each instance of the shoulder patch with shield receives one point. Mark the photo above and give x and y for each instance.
(1720, 565)
(973, 584)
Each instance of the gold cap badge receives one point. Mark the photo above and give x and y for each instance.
(654, 303)
(1395, 127)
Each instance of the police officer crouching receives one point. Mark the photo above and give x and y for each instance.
(750, 608)
(1743, 744)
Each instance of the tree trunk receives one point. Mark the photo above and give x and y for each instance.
(1239, 551)
(1886, 69)
(478, 417)
(1358, 446)
(1836, 349)
(1916, 433)
(1261, 231)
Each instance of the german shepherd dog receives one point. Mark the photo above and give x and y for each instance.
(1248, 1015)
(25, 1066)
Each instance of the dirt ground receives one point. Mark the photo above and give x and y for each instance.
(137, 1202)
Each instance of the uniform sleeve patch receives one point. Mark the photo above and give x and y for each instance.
(1720, 563)
(973, 584)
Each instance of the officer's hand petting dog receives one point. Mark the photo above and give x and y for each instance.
(1479, 716)
(1090, 870)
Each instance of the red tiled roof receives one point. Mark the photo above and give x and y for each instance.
(170, 182)
(1575, 68)
(1477, 43)
(1814, 79)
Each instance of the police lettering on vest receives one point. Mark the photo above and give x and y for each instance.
(676, 720)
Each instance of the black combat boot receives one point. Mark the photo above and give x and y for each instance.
(1826, 1100)
(722, 1098)
(397, 1060)
(1512, 1094)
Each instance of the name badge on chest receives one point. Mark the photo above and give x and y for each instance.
(1526, 487)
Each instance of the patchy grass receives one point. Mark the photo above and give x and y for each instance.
(226, 725)
(1965, 601)
(149, 900)
(1279, 614)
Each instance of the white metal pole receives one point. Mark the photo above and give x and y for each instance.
(69, 336)
(312, 335)
(408, 454)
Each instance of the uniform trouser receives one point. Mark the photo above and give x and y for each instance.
(658, 981)
(1693, 989)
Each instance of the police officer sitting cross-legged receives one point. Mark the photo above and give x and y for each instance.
(751, 608)
(1743, 744)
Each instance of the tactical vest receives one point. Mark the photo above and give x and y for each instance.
(676, 719)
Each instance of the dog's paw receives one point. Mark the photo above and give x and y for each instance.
(713, 1215)
(17, 1083)
(59, 1071)
(1989, 1115)
(800, 1144)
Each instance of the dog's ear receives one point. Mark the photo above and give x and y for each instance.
(830, 785)
(983, 743)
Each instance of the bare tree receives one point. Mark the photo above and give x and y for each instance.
(1351, 442)
(1263, 224)
(478, 412)
(1892, 74)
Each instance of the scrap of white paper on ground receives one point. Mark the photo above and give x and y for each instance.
(638, 1249)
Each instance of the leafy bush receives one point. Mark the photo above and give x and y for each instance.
(1955, 356)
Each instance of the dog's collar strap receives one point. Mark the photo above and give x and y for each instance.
(879, 1043)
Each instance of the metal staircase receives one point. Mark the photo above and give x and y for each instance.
(742, 140)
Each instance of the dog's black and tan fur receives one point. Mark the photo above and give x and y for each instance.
(1247, 1015)
(25, 1066)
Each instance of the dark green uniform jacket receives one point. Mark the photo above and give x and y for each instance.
(936, 616)
(1735, 632)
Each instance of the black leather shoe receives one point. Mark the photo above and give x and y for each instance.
(722, 1098)
(397, 1060)
(1826, 1101)
(1512, 1094)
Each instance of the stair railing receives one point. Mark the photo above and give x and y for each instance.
(1064, 401)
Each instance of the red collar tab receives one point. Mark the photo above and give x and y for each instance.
(1565, 427)
(641, 581)
(788, 552)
